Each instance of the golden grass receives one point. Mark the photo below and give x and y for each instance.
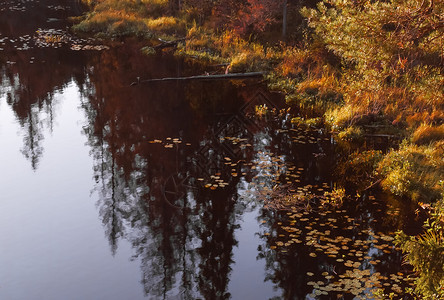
(414, 171)
(427, 134)
(165, 25)
(128, 17)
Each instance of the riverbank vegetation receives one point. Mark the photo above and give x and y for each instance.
(371, 69)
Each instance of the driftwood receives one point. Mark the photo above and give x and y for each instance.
(376, 135)
(233, 76)
(167, 44)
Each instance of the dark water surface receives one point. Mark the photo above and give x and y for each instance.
(161, 190)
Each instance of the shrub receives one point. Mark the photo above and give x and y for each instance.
(414, 171)
(426, 253)
(334, 199)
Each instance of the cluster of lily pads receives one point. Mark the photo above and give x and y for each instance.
(300, 135)
(345, 251)
(348, 255)
(56, 7)
(50, 38)
(20, 6)
(214, 182)
(19, 43)
(13, 5)
(242, 143)
(56, 38)
(169, 142)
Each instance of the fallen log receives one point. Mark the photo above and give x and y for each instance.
(233, 76)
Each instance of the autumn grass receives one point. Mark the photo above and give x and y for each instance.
(240, 54)
(120, 18)
(414, 171)
(427, 134)
(115, 18)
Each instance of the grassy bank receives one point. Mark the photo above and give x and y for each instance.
(368, 68)
(114, 19)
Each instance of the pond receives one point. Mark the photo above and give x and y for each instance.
(168, 190)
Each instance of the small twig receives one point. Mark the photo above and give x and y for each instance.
(372, 185)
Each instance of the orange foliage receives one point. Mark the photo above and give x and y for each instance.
(256, 15)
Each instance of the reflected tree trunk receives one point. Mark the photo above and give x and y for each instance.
(284, 19)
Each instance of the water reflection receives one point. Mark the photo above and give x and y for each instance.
(30, 76)
(177, 166)
(156, 148)
(30, 90)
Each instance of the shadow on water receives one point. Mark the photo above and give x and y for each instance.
(177, 165)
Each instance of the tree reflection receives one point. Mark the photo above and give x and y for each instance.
(217, 241)
(183, 239)
(31, 77)
(31, 95)
(32, 148)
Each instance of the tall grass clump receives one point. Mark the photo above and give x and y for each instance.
(241, 55)
(115, 18)
(427, 134)
(414, 171)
